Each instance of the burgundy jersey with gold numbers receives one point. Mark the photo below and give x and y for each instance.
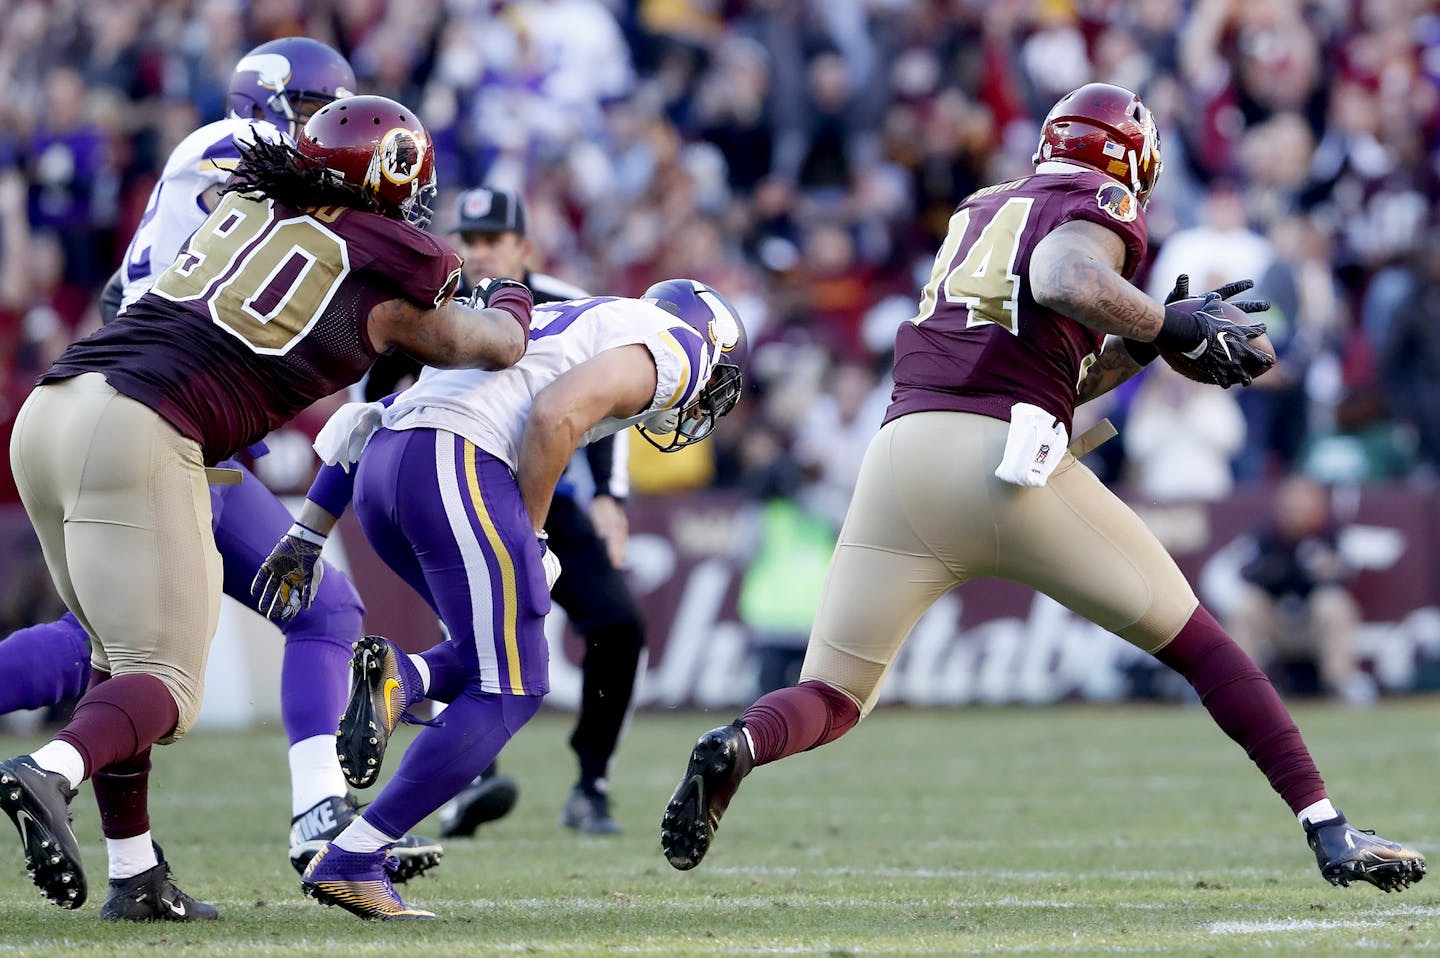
(980, 343)
(262, 313)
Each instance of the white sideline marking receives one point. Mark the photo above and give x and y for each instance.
(1284, 924)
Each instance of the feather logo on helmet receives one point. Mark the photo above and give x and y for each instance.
(397, 158)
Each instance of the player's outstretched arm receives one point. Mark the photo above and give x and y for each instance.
(1075, 270)
(617, 383)
(454, 335)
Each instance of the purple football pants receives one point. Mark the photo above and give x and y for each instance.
(447, 518)
(48, 663)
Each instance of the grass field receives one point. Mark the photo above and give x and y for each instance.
(1075, 830)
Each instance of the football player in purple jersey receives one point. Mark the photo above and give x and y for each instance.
(273, 90)
(311, 264)
(1029, 311)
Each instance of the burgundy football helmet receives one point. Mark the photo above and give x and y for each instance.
(380, 148)
(1105, 127)
(274, 77)
(703, 309)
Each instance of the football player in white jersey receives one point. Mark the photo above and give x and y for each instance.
(453, 483)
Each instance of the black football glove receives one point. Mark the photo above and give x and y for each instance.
(1181, 291)
(1143, 353)
(289, 578)
(1221, 352)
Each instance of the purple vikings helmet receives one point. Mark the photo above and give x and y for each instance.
(275, 76)
(711, 315)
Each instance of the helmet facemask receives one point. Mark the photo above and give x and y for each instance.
(698, 420)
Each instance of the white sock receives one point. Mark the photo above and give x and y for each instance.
(361, 836)
(130, 856)
(1321, 811)
(62, 757)
(314, 773)
(424, 668)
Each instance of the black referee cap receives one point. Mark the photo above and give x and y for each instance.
(489, 210)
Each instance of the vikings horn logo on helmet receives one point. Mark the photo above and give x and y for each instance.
(272, 70)
(724, 328)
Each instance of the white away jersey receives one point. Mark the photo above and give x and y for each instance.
(490, 408)
(175, 209)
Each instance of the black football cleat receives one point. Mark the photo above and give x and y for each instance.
(588, 811)
(153, 895)
(313, 829)
(38, 802)
(1346, 853)
(483, 800)
(380, 691)
(720, 759)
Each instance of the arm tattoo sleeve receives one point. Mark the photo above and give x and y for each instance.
(1079, 281)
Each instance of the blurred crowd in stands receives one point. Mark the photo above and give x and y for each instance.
(804, 156)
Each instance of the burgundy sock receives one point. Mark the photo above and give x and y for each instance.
(1246, 706)
(797, 719)
(122, 792)
(120, 718)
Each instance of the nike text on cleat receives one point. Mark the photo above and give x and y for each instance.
(1346, 853)
(719, 761)
(379, 697)
(38, 802)
(483, 800)
(317, 826)
(153, 895)
(359, 882)
(588, 812)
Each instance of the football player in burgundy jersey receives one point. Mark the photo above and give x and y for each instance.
(311, 264)
(1029, 311)
(273, 90)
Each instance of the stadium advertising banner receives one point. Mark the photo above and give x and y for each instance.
(719, 577)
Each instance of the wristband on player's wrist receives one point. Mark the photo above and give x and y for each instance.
(1181, 330)
(1142, 353)
(306, 534)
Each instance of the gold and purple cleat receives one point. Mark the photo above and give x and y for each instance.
(378, 697)
(358, 882)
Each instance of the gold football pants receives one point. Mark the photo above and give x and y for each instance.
(928, 514)
(120, 504)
